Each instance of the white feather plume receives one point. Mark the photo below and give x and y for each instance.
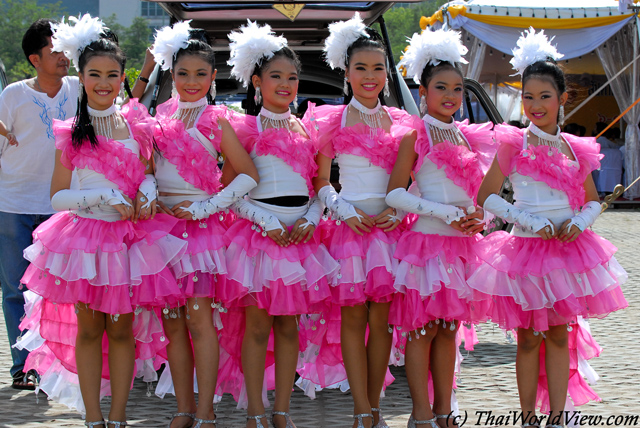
(249, 47)
(432, 47)
(72, 39)
(342, 35)
(168, 41)
(531, 48)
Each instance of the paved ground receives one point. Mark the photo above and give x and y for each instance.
(487, 381)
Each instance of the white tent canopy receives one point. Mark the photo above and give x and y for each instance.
(577, 26)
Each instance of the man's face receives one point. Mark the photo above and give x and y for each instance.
(53, 64)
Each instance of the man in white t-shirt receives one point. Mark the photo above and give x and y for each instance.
(28, 108)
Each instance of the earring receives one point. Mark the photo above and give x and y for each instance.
(345, 88)
(80, 92)
(174, 91)
(121, 93)
(561, 116)
(295, 102)
(423, 105)
(257, 98)
(462, 109)
(386, 91)
(212, 90)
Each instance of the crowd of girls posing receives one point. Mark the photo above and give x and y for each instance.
(160, 257)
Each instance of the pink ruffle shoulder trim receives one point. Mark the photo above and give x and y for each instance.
(141, 124)
(111, 158)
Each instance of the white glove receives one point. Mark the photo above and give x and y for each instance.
(149, 188)
(341, 208)
(510, 213)
(239, 187)
(313, 213)
(487, 217)
(257, 215)
(588, 215)
(78, 200)
(400, 198)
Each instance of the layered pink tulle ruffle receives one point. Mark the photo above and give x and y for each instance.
(283, 280)
(113, 267)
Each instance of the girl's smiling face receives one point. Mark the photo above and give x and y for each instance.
(443, 94)
(367, 75)
(193, 77)
(541, 103)
(102, 77)
(278, 84)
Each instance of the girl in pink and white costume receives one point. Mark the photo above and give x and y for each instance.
(99, 254)
(364, 136)
(551, 269)
(436, 256)
(276, 263)
(189, 138)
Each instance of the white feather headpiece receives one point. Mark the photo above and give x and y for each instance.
(432, 47)
(531, 48)
(168, 41)
(249, 47)
(71, 40)
(342, 35)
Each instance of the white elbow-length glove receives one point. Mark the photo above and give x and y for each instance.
(257, 215)
(342, 209)
(314, 213)
(587, 216)
(149, 188)
(239, 187)
(400, 198)
(76, 200)
(511, 214)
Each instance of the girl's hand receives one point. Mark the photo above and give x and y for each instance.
(301, 234)
(359, 225)
(141, 212)
(162, 208)
(178, 211)
(12, 139)
(565, 234)
(473, 222)
(385, 222)
(281, 237)
(545, 233)
(457, 225)
(126, 211)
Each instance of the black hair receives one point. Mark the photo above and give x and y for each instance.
(549, 71)
(286, 52)
(431, 70)
(572, 128)
(373, 42)
(37, 37)
(199, 44)
(105, 46)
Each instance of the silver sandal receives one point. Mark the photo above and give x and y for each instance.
(447, 417)
(413, 422)
(95, 424)
(257, 419)
(529, 424)
(381, 423)
(117, 424)
(199, 422)
(177, 415)
(360, 417)
(287, 417)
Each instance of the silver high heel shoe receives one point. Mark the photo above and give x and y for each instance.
(381, 423)
(287, 418)
(199, 422)
(413, 422)
(95, 424)
(445, 417)
(117, 424)
(360, 417)
(177, 415)
(257, 419)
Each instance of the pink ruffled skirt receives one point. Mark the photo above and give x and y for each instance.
(289, 280)
(537, 284)
(366, 263)
(113, 267)
(202, 268)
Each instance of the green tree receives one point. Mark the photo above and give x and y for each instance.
(15, 18)
(402, 21)
(134, 40)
